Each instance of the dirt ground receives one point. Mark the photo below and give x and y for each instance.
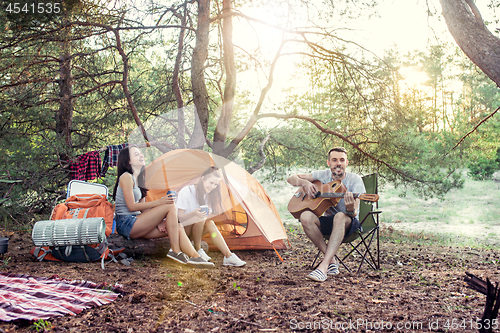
(419, 288)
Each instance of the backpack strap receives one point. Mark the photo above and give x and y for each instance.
(85, 253)
(39, 256)
(69, 248)
(58, 251)
(102, 262)
(80, 233)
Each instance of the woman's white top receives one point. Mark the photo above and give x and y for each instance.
(186, 199)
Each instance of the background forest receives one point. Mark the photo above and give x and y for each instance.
(273, 85)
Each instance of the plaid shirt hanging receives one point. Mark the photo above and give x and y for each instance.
(86, 166)
(111, 157)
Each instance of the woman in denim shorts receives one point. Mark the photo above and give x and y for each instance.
(136, 218)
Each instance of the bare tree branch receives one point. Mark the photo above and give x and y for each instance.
(343, 138)
(260, 164)
(475, 128)
(254, 117)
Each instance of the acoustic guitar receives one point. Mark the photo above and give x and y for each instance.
(328, 195)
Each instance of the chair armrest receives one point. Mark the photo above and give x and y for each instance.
(370, 213)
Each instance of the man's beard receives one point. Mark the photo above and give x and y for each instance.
(338, 172)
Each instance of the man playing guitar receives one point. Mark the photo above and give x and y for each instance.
(339, 221)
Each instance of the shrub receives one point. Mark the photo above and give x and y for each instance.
(482, 168)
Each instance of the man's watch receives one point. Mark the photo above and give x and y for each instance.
(350, 213)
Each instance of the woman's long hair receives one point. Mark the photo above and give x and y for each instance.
(123, 166)
(214, 199)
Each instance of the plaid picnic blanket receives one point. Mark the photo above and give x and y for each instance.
(33, 298)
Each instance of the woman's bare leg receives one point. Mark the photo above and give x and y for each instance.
(216, 238)
(185, 243)
(197, 233)
(147, 222)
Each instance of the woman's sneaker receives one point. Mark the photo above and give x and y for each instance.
(199, 262)
(179, 257)
(233, 260)
(204, 255)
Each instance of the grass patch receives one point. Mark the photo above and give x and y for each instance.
(392, 235)
(477, 201)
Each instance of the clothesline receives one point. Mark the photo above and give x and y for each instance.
(145, 144)
(88, 166)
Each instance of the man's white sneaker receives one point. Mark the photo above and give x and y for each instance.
(204, 255)
(233, 260)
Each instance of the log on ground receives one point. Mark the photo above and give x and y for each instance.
(139, 247)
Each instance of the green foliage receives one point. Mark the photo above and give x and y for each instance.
(482, 168)
(42, 325)
(5, 263)
(33, 148)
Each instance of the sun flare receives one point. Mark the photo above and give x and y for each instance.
(412, 78)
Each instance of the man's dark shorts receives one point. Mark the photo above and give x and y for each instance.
(326, 223)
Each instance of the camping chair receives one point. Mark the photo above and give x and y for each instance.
(370, 224)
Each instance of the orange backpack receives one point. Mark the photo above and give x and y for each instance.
(81, 206)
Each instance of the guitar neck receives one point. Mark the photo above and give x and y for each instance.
(335, 195)
(362, 196)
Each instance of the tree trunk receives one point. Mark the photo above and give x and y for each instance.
(176, 87)
(222, 128)
(200, 54)
(475, 40)
(64, 116)
(254, 167)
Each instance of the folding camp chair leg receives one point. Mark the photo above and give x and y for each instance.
(343, 264)
(364, 258)
(313, 266)
(378, 250)
(314, 261)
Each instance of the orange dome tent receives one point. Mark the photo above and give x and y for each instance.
(250, 220)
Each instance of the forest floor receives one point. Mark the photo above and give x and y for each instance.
(419, 288)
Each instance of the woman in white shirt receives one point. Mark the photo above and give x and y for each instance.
(190, 200)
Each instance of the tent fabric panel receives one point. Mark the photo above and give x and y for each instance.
(182, 165)
(251, 205)
(257, 210)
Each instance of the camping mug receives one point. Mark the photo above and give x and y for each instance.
(174, 194)
(204, 209)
